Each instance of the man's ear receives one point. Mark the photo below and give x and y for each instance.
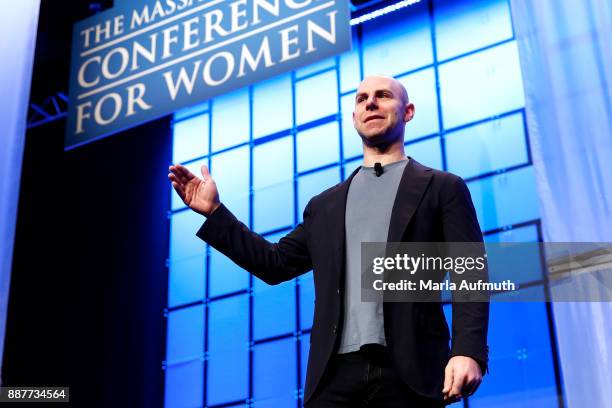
(408, 112)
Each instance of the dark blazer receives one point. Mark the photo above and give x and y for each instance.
(431, 206)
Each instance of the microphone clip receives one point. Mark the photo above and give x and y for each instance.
(378, 169)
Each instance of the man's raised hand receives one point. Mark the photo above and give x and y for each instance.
(199, 194)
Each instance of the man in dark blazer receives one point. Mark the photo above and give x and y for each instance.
(400, 356)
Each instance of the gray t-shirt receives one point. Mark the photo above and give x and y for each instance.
(368, 213)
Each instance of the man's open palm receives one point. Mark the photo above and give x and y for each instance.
(199, 194)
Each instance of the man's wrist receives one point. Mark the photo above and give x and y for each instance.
(214, 208)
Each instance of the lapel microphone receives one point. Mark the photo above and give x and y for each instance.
(378, 169)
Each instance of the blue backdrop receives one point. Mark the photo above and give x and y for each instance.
(273, 145)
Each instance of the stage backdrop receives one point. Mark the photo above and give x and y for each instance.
(235, 341)
(17, 41)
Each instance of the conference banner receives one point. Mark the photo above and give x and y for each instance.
(144, 59)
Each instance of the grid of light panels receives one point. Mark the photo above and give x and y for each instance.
(233, 340)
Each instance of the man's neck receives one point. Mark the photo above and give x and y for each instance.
(392, 154)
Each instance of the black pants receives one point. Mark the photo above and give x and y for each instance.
(366, 378)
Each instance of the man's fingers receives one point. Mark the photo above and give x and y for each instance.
(471, 386)
(458, 382)
(179, 190)
(185, 172)
(173, 178)
(179, 173)
(175, 174)
(176, 180)
(182, 173)
(205, 172)
(448, 380)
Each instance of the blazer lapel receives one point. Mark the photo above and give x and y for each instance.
(413, 184)
(336, 218)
